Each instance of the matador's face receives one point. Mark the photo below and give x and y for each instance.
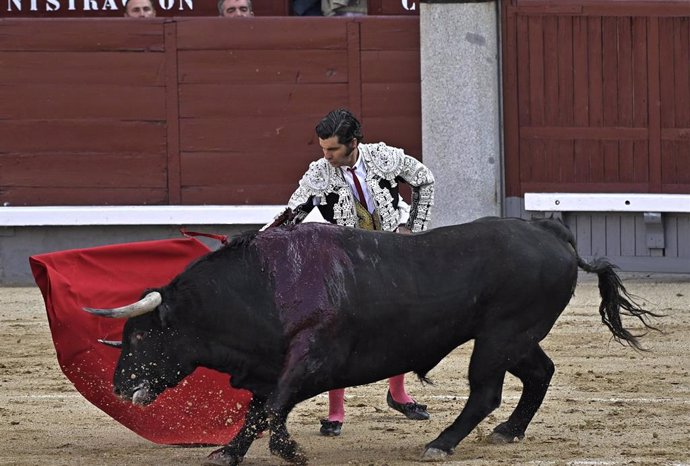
(337, 154)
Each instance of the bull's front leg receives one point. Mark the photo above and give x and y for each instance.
(284, 398)
(281, 444)
(255, 422)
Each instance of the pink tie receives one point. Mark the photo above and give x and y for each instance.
(360, 193)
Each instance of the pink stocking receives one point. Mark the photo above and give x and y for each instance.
(396, 385)
(336, 405)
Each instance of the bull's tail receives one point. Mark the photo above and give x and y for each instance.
(615, 300)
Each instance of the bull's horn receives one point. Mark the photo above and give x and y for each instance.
(146, 304)
(114, 344)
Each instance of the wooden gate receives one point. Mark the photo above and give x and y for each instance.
(597, 100)
(597, 96)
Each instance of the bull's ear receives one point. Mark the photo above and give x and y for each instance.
(165, 314)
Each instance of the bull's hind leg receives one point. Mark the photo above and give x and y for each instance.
(254, 423)
(486, 373)
(535, 372)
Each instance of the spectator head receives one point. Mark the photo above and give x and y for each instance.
(140, 9)
(235, 8)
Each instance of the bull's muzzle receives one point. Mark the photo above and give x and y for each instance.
(142, 394)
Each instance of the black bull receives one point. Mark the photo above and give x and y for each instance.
(294, 311)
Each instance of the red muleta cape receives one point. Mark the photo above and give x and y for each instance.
(202, 409)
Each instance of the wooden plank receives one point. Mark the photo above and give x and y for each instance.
(551, 76)
(354, 68)
(639, 73)
(595, 162)
(94, 170)
(552, 161)
(610, 57)
(625, 73)
(669, 159)
(580, 74)
(81, 100)
(536, 71)
(626, 160)
(683, 188)
(389, 33)
(247, 134)
(280, 33)
(397, 131)
(172, 114)
(587, 187)
(595, 66)
(676, 134)
(117, 68)
(682, 156)
(245, 168)
(263, 66)
(609, 8)
(526, 162)
(681, 65)
(534, 163)
(582, 149)
(239, 194)
(565, 115)
(641, 161)
(555, 132)
(391, 66)
(50, 196)
(675, 165)
(667, 63)
(283, 99)
(655, 62)
(611, 169)
(400, 99)
(104, 136)
(566, 157)
(81, 35)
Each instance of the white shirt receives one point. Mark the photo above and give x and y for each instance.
(361, 173)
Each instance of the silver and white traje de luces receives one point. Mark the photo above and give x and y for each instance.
(381, 162)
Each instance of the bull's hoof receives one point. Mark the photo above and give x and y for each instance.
(500, 438)
(288, 450)
(221, 457)
(434, 454)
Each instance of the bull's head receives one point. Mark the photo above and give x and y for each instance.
(155, 354)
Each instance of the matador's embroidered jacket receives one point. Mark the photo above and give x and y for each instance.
(325, 186)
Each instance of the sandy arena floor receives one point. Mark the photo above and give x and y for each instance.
(608, 405)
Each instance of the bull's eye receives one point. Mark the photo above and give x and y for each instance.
(138, 337)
